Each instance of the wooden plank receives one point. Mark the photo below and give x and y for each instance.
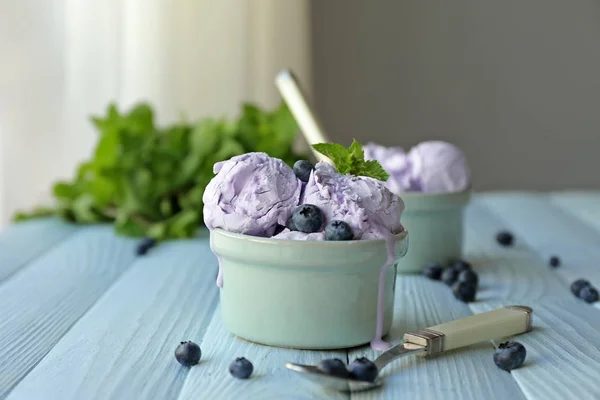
(585, 206)
(20, 243)
(41, 303)
(548, 230)
(271, 380)
(506, 272)
(124, 345)
(563, 351)
(461, 374)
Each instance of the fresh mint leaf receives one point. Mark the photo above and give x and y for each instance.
(336, 153)
(351, 160)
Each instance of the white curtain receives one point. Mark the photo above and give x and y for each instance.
(64, 60)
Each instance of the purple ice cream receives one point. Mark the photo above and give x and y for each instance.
(251, 194)
(371, 210)
(431, 167)
(255, 194)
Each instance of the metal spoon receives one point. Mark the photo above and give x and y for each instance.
(502, 322)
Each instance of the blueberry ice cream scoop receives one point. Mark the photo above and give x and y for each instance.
(365, 204)
(251, 194)
(430, 167)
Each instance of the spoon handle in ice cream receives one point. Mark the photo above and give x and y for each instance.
(495, 324)
(309, 125)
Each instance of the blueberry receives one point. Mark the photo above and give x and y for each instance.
(469, 276)
(461, 265)
(302, 169)
(188, 353)
(578, 285)
(363, 369)
(510, 355)
(449, 276)
(464, 291)
(334, 366)
(145, 245)
(338, 230)
(588, 294)
(308, 218)
(241, 368)
(554, 261)
(505, 238)
(433, 271)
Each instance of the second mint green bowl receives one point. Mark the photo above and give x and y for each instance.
(304, 294)
(435, 223)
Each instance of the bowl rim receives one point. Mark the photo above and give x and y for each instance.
(400, 237)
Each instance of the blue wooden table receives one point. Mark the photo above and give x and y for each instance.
(81, 317)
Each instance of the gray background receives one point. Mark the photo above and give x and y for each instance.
(515, 83)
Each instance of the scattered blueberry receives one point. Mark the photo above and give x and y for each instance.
(145, 245)
(461, 265)
(188, 353)
(334, 366)
(469, 276)
(578, 285)
(554, 261)
(308, 218)
(510, 355)
(588, 294)
(449, 276)
(302, 169)
(338, 230)
(464, 291)
(433, 271)
(505, 238)
(241, 368)
(363, 369)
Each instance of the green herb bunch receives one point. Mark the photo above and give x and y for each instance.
(149, 180)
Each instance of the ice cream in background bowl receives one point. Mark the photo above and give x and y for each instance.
(304, 263)
(434, 180)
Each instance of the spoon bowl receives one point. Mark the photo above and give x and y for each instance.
(333, 382)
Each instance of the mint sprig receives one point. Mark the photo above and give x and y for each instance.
(149, 180)
(351, 160)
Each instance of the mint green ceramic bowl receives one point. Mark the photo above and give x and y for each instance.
(304, 294)
(435, 223)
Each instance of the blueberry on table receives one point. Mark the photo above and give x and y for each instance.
(308, 218)
(554, 261)
(505, 238)
(333, 366)
(468, 276)
(302, 170)
(145, 245)
(578, 285)
(588, 294)
(510, 355)
(464, 291)
(338, 230)
(241, 368)
(188, 353)
(461, 265)
(449, 276)
(363, 369)
(433, 271)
